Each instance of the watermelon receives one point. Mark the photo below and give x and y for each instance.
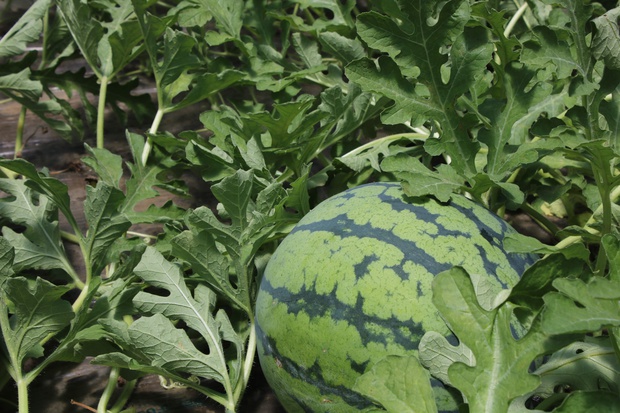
(351, 284)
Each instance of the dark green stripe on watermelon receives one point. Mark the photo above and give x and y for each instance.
(351, 284)
(311, 375)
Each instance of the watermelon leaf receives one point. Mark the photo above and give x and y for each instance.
(414, 43)
(26, 30)
(583, 306)
(581, 366)
(156, 341)
(39, 246)
(105, 224)
(437, 355)
(590, 402)
(500, 371)
(400, 384)
(580, 306)
(418, 180)
(29, 312)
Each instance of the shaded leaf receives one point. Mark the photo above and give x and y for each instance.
(36, 311)
(26, 30)
(38, 246)
(606, 40)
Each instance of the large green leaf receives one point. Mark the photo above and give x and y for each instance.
(194, 309)
(414, 74)
(500, 371)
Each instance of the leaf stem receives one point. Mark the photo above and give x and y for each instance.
(515, 19)
(389, 138)
(102, 406)
(248, 362)
(22, 394)
(79, 302)
(67, 236)
(148, 146)
(103, 90)
(543, 221)
(19, 135)
(128, 388)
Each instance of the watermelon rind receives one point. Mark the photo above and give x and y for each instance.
(351, 284)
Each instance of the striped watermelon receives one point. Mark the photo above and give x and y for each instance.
(352, 284)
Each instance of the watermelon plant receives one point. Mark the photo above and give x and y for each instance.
(486, 110)
(351, 285)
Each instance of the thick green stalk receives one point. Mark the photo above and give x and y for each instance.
(123, 398)
(19, 135)
(148, 146)
(102, 406)
(103, 90)
(513, 21)
(22, 394)
(248, 362)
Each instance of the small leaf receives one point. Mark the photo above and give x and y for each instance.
(547, 50)
(307, 50)
(437, 355)
(107, 165)
(107, 46)
(234, 194)
(40, 182)
(140, 185)
(525, 244)
(105, 224)
(21, 88)
(208, 263)
(344, 49)
(537, 280)
(7, 254)
(580, 366)
(418, 180)
(37, 311)
(171, 349)
(39, 245)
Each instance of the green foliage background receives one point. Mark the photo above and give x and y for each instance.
(515, 104)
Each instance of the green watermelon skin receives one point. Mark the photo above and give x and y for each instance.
(351, 284)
